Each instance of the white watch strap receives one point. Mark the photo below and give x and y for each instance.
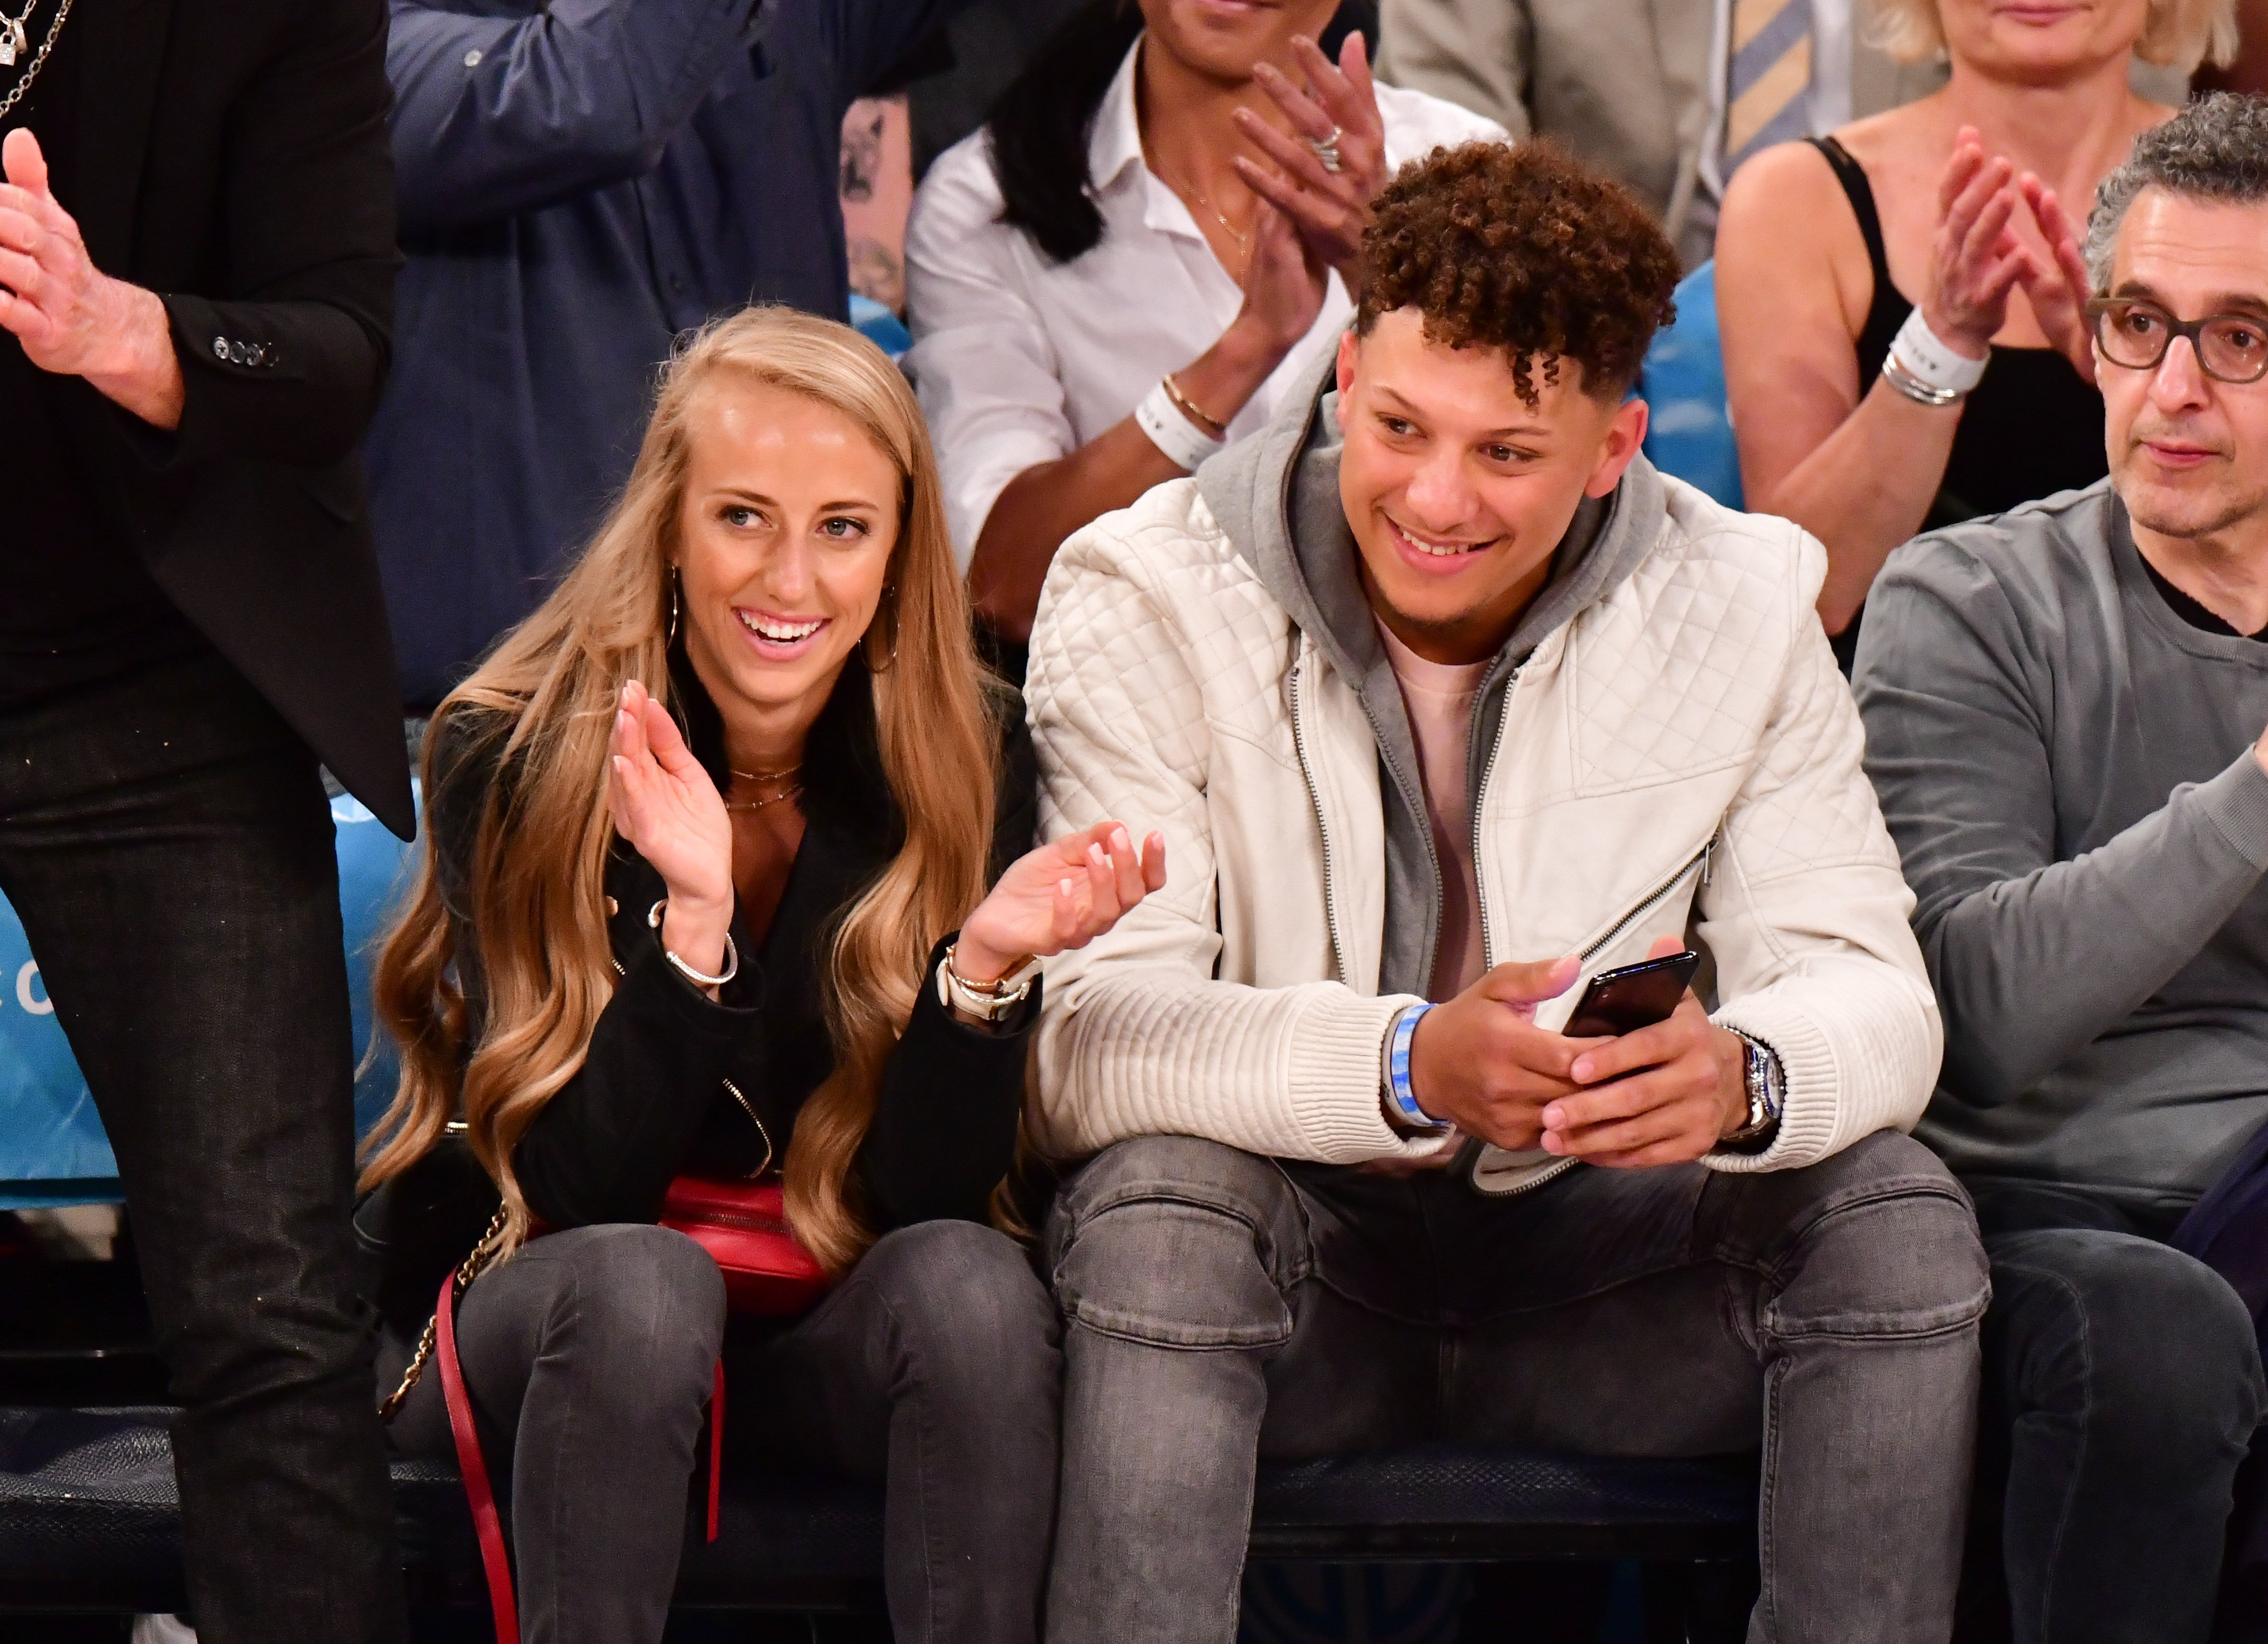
(1183, 442)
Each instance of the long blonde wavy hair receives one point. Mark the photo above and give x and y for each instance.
(536, 879)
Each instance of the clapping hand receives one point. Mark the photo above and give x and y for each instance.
(2058, 288)
(1338, 107)
(71, 318)
(1975, 257)
(1282, 289)
(1061, 896)
(664, 803)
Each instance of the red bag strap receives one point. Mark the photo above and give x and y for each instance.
(474, 1468)
(716, 1447)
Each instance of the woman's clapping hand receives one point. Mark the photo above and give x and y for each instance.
(2058, 288)
(1338, 107)
(666, 806)
(1059, 897)
(1980, 257)
(1975, 257)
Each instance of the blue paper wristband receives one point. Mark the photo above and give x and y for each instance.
(1398, 1090)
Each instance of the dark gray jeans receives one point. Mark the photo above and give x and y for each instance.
(1221, 1307)
(591, 1355)
(2123, 1384)
(165, 838)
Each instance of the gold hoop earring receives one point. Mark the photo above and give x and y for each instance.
(675, 602)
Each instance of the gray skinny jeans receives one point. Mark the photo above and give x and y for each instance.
(1221, 1307)
(590, 1356)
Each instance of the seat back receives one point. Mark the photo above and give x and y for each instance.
(1689, 433)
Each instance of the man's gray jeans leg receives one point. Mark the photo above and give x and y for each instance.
(1829, 1314)
(1172, 1260)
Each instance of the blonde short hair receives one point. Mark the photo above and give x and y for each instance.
(2179, 33)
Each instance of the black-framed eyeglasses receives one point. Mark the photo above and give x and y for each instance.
(2136, 334)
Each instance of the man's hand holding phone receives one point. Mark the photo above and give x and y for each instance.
(1661, 1095)
(1478, 1061)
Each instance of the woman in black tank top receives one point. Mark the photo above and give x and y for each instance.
(2033, 425)
(1826, 438)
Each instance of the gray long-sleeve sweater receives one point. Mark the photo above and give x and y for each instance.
(2066, 765)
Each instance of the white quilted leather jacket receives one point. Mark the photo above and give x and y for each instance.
(1682, 750)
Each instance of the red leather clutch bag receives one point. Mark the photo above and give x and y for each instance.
(743, 1226)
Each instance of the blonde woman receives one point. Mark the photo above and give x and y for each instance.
(1902, 302)
(711, 835)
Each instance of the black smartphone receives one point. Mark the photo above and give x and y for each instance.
(1633, 996)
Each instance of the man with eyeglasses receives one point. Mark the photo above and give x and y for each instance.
(2064, 709)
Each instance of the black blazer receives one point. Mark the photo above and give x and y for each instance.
(232, 156)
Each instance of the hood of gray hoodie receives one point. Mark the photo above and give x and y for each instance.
(1277, 495)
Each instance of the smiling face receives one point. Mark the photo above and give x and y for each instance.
(2189, 454)
(1222, 39)
(1456, 488)
(784, 533)
(2040, 40)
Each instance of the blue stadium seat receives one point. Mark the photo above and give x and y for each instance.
(1683, 382)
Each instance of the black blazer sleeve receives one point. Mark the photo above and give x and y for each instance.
(287, 365)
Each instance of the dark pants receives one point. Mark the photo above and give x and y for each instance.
(591, 1354)
(167, 842)
(1221, 1307)
(2121, 1386)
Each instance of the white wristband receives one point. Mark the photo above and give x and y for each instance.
(1926, 357)
(1184, 443)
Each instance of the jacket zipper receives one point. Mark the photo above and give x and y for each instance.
(1322, 827)
(1480, 796)
(1654, 898)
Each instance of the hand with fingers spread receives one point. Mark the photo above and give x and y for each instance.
(1478, 1061)
(1336, 110)
(2058, 288)
(1059, 897)
(1664, 1094)
(1975, 257)
(72, 319)
(662, 802)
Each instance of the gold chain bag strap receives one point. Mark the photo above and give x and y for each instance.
(469, 1269)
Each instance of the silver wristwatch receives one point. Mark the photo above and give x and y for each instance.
(1767, 1090)
(987, 1001)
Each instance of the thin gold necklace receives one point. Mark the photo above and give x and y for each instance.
(1189, 191)
(785, 776)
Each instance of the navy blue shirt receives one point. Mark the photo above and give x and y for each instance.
(579, 182)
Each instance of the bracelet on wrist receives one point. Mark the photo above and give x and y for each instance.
(1184, 443)
(1206, 421)
(1399, 1096)
(1929, 370)
(731, 954)
(1916, 390)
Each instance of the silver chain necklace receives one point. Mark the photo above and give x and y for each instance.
(14, 42)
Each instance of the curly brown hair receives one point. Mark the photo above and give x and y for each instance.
(1526, 249)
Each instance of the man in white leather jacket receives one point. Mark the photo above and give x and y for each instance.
(1446, 701)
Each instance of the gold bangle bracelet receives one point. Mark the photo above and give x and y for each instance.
(1204, 420)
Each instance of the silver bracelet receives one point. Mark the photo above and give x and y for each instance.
(1895, 374)
(732, 955)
